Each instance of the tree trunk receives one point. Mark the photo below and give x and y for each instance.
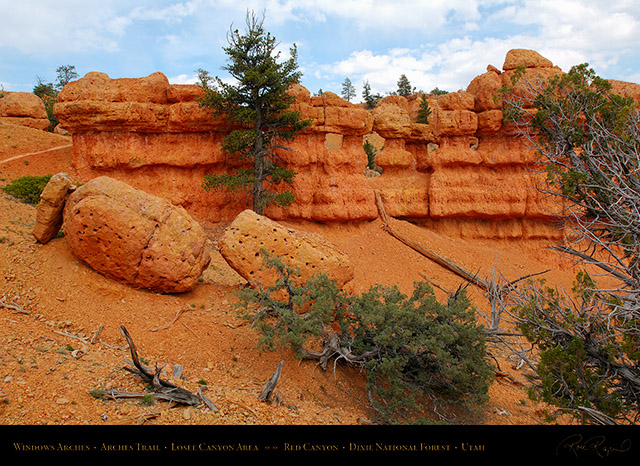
(258, 163)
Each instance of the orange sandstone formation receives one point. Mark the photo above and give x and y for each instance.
(132, 236)
(464, 172)
(243, 241)
(23, 108)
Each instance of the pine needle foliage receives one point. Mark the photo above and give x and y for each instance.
(258, 104)
(415, 351)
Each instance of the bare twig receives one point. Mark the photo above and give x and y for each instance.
(96, 334)
(14, 307)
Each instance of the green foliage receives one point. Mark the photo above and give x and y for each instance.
(42, 88)
(204, 78)
(437, 91)
(371, 152)
(259, 104)
(424, 112)
(404, 86)
(412, 348)
(582, 363)
(422, 347)
(589, 139)
(48, 92)
(348, 90)
(65, 74)
(370, 99)
(98, 393)
(27, 188)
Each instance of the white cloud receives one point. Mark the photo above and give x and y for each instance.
(443, 43)
(183, 79)
(597, 31)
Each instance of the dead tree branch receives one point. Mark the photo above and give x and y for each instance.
(270, 386)
(429, 254)
(164, 390)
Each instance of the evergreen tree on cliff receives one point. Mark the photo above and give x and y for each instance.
(259, 105)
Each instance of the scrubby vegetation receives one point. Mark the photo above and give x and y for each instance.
(424, 111)
(27, 188)
(48, 92)
(415, 352)
(371, 152)
(589, 140)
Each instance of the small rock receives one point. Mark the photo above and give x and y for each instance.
(49, 213)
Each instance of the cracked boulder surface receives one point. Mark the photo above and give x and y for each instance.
(132, 236)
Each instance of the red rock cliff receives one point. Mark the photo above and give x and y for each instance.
(464, 172)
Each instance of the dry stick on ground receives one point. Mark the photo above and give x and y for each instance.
(96, 334)
(175, 318)
(435, 257)
(13, 307)
(270, 386)
(426, 277)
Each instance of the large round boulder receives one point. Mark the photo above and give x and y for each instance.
(132, 236)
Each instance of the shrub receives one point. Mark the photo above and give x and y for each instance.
(588, 139)
(27, 188)
(584, 366)
(413, 349)
(424, 112)
(371, 152)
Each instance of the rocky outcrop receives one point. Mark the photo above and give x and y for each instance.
(155, 136)
(23, 108)
(52, 201)
(243, 241)
(129, 235)
(463, 169)
(465, 172)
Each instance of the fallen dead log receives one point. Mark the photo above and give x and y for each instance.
(429, 254)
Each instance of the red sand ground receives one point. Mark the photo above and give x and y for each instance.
(48, 365)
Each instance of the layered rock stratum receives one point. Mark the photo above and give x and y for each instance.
(465, 172)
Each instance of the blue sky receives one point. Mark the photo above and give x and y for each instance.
(435, 43)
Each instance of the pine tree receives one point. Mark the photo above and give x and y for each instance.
(370, 99)
(66, 73)
(259, 103)
(424, 112)
(348, 90)
(404, 86)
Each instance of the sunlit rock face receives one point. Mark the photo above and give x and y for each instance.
(464, 171)
(24, 109)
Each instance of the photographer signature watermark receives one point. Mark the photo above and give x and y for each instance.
(580, 445)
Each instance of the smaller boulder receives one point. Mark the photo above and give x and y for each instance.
(50, 207)
(242, 241)
(526, 58)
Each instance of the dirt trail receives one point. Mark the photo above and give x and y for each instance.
(54, 304)
(31, 154)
